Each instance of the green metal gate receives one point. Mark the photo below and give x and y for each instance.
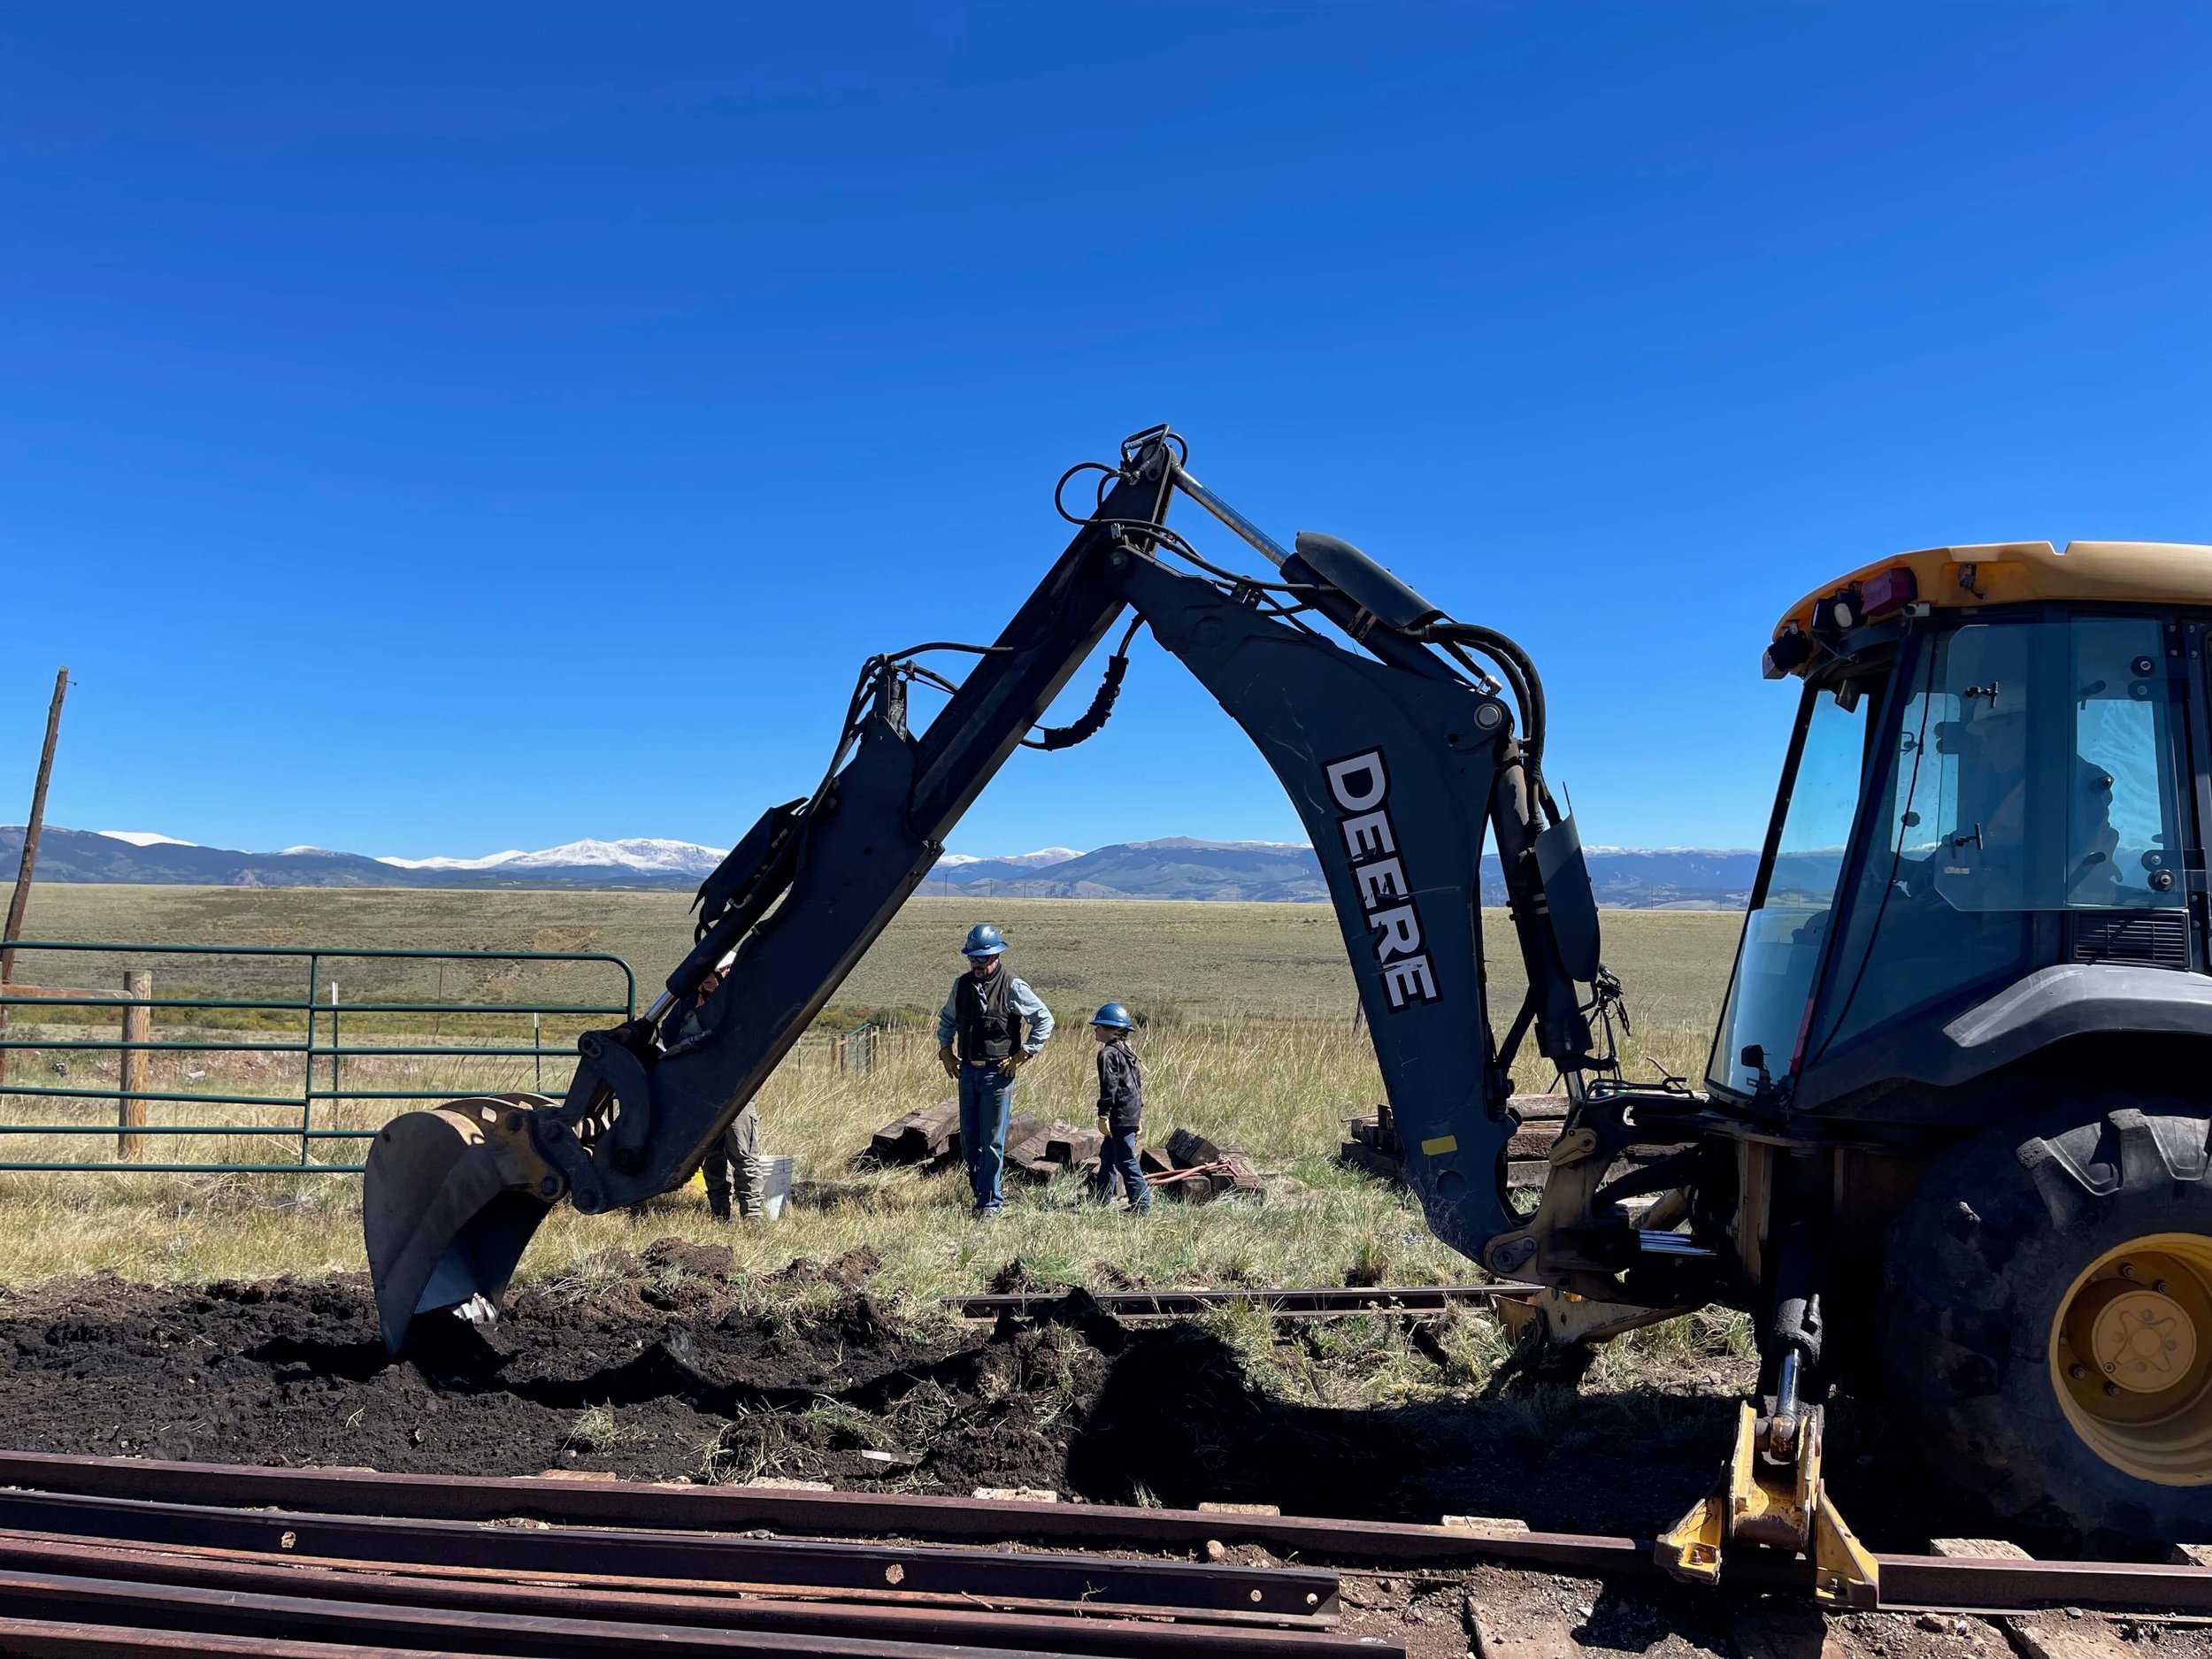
(235, 994)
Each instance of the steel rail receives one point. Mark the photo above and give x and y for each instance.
(187, 1609)
(1086, 1628)
(724, 1592)
(2006, 1586)
(1285, 1303)
(1909, 1581)
(57, 1639)
(819, 1514)
(1171, 1586)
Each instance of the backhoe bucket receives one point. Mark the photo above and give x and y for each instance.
(448, 1202)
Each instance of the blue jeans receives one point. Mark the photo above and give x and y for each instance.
(1117, 1156)
(987, 1100)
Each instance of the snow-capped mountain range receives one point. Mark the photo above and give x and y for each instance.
(643, 853)
(1037, 860)
(1175, 868)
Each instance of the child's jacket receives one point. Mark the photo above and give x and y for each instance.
(1120, 1086)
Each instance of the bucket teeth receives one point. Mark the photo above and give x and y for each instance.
(449, 1201)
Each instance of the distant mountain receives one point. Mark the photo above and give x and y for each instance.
(1658, 878)
(640, 855)
(67, 855)
(1037, 860)
(1179, 868)
(1176, 868)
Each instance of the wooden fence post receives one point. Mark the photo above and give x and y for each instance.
(137, 1068)
(11, 929)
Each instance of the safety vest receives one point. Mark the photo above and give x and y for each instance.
(990, 1026)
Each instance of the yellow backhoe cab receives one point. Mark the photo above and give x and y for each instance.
(1969, 1033)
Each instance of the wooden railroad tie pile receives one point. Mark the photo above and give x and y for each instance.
(1376, 1145)
(1036, 1150)
(1191, 1168)
(1188, 1166)
(930, 1136)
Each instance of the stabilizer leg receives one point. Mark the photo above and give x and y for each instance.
(1771, 1496)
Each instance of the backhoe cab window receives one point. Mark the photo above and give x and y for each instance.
(2032, 772)
(2027, 800)
(1783, 935)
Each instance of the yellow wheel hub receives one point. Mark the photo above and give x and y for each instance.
(2144, 1341)
(2132, 1358)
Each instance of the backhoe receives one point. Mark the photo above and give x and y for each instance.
(1952, 1141)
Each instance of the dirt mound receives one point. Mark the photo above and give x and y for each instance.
(654, 1367)
(997, 1414)
(707, 1261)
(292, 1371)
(1012, 1280)
(853, 1268)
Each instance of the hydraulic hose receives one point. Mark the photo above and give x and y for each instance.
(1088, 725)
(1527, 685)
(1101, 709)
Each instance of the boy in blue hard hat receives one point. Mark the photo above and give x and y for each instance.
(982, 1043)
(1120, 1109)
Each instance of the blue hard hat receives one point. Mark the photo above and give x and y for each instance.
(1115, 1015)
(983, 941)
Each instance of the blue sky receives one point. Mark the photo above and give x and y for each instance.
(456, 428)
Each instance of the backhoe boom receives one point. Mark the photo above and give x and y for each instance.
(1397, 757)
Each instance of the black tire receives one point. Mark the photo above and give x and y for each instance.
(1978, 1266)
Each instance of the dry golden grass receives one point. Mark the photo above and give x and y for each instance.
(1278, 1088)
(1191, 960)
(1250, 1043)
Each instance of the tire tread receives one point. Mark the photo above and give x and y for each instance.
(1974, 1265)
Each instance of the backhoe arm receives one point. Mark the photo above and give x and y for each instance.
(1395, 769)
(1397, 759)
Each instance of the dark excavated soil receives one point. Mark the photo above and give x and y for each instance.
(292, 1372)
(656, 1368)
(652, 1373)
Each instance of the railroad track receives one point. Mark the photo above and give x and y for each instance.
(100, 1555)
(361, 1558)
(1285, 1304)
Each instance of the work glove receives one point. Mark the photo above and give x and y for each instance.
(949, 1061)
(1105, 1124)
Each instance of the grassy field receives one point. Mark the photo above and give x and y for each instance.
(1165, 959)
(1249, 1039)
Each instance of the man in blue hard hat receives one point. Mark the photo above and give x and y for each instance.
(990, 1027)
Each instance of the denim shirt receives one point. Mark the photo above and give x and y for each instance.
(1024, 1003)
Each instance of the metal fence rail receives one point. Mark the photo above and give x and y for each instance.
(318, 1041)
